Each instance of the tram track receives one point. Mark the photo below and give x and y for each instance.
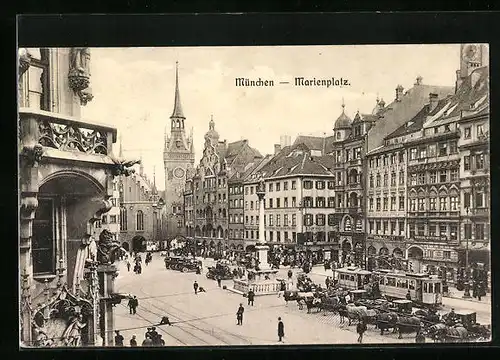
(181, 315)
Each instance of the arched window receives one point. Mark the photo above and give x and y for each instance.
(123, 218)
(140, 221)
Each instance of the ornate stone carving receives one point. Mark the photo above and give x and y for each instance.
(72, 138)
(60, 320)
(24, 61)
(28, 206)
(79, 73)
(122, 167)
(107, 248)
(33, 153)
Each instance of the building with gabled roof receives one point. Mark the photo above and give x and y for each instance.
(207, 193)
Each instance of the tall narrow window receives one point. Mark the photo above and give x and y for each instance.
(42, 240)
(123, 218)
(37, 76)
(140, 221)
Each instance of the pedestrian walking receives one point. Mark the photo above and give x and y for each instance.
(135, 304)
(251, 297)
(133, 341)
(195, 287)
(118, 338)
(282, 288)
(281, 330)
(239, 314)
(360, 329)
(219, 280)
(128, 265)
(131, 305)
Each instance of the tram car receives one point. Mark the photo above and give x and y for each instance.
(423, 288)
(352, 278)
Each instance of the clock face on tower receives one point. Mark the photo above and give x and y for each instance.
(179, 173)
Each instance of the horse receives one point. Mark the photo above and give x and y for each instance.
(408, 325)
(386, 321)
(437, 331)
(355, 313)
(456, 333)
(312, 303)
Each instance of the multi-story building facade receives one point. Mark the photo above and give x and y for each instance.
(210, 192)
(387, 187)
(178, 158)
(437, 202)
(66, 171)
(140, 212)
(298, 203)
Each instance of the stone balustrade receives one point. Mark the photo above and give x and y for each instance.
(268, 287)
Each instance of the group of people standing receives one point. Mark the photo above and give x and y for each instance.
(151, 338)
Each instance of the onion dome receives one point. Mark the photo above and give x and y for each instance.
(343, 121)
(212, 134)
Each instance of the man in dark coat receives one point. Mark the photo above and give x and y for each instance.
(118, 338)
(251, 297)
(133, 341)
(131, 305)
(219, 280)
(360, 329)
(135, 304)
(195, 287)
(239, 314)
(281, 330)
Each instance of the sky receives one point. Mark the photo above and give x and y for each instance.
(133, 90)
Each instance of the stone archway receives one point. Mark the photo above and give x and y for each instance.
(139, 243)
(81, 198)
(371, 251)
(126, 246)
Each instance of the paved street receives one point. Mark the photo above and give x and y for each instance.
(210, 318)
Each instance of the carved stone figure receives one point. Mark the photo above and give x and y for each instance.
(79, 73)
(33, 153)
(107, 248)
(80, 62)
(72, 335)
(92, 249)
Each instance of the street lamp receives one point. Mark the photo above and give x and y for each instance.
(466, 284)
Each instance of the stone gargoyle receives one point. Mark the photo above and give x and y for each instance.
(122, 166)
(108, 248)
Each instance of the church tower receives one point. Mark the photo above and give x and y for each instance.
(178, 157)
(472, 57)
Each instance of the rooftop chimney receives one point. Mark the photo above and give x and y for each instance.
(277, 148)
(399, 92)
(433, 101)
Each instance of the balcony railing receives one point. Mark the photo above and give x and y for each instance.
(65, 133)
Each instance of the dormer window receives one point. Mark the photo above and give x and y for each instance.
(338, 135)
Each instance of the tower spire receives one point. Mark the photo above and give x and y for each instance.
(343, 105)
(141, 166)
(177, 113)
(154, 177)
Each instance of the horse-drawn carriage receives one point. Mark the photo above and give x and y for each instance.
(463, 328)
(221, 270)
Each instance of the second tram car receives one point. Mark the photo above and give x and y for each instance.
(423, 288)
